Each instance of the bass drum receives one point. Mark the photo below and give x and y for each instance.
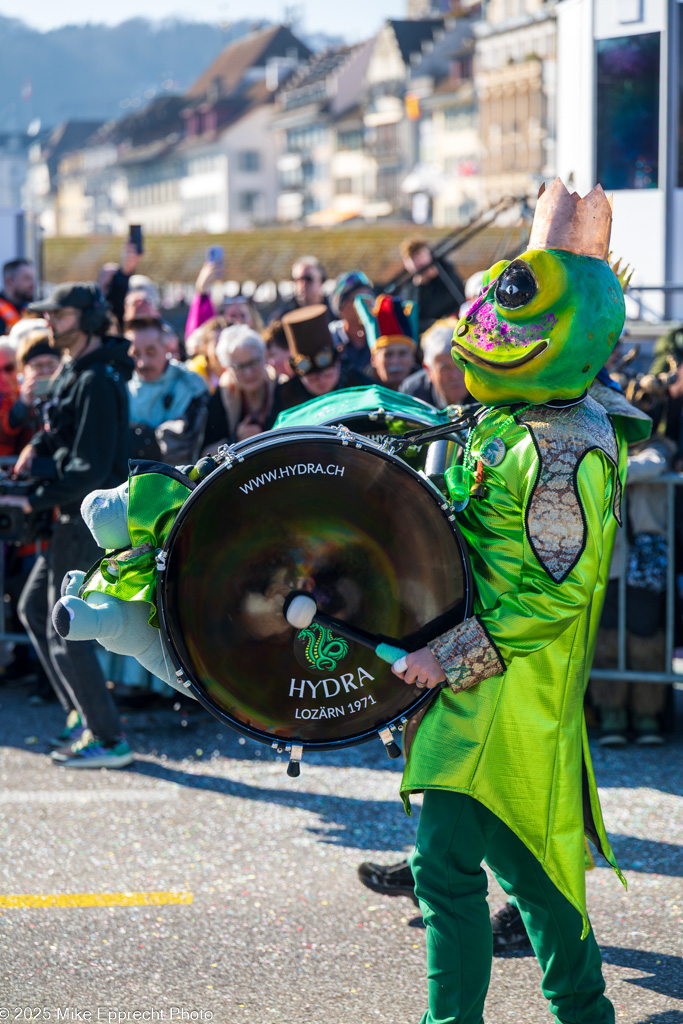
(375, 412)
(327, 512)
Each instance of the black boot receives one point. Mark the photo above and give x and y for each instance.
(508, 929)
(390, 879)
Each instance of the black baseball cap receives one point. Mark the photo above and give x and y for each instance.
(74, 294)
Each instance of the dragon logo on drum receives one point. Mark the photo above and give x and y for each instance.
(321, 648)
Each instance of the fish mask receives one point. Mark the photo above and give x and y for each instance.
(545, 323)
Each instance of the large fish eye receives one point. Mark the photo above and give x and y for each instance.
(516, 286)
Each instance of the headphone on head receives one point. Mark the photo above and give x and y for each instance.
(95, 319)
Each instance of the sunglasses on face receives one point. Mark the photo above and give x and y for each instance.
(309, 364)
(308, 278)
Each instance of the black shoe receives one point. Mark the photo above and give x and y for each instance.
(508, 929)
(389, 879)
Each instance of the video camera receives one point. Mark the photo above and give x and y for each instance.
(17, 526)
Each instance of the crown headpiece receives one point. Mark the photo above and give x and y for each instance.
(562, 220)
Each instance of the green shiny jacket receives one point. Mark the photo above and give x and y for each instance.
(509, 729)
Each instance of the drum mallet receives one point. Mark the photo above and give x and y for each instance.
(300, 610)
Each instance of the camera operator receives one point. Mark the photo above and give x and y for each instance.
(83, 447)
(20, 418)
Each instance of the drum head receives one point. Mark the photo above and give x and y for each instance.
(351, 525)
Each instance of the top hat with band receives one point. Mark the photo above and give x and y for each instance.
(311, 346)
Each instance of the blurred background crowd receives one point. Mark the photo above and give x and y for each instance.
(218, 371)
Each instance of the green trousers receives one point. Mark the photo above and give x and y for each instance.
(455, 834)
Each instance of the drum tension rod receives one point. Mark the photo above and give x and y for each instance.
(294, 766)
(426, 434)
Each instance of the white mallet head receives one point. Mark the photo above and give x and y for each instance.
(301, 611)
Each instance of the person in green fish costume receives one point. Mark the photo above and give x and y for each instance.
(501, 753)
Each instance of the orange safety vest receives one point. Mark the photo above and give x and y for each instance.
(9, 313)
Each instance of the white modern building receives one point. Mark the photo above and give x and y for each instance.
(618, 124)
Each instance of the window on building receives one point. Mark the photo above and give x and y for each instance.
(386, 139)
(313, 170)
(292, 178)
(249, 160)
(387, 185)
(458, 118)
(627, 124)
(343, 185)
(350, 139)
(249, 202)
(305, 138)
(680, 103)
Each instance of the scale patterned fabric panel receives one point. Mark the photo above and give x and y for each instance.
(467, 654)
(554, 517)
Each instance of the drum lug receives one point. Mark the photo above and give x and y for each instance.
(181, 679)
(227, 453)
(344, 434)
(294, 766)
(160, 560)
(278, 746)
(392, 748)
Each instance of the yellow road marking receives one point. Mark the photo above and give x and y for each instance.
(94, 899)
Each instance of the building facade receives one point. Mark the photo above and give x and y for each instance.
(619, 109)
(515, 79)
(199, 162)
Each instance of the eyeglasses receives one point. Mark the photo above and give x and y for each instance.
(8, 368)
(308, 278)
(321, 360)
(251, 365)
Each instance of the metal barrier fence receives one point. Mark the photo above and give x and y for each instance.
(621, 672)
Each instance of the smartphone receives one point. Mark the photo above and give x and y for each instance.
(135, 236)
(215, 254)
(41, 386)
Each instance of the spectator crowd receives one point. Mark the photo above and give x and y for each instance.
(96, 373)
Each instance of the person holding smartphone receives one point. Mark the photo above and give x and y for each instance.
(114, 278)
(38, 360)
(235, 309)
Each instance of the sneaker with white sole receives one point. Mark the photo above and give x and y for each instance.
(647, 731)
(613, 726)
(89, 752)
(72, 731)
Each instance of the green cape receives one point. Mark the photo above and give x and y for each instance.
(510, 729)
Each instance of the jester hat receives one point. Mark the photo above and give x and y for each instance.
(387, 320)
(545, 323)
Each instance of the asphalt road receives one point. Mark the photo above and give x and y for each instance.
(278, 930)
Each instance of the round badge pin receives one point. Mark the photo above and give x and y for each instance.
(493, 452)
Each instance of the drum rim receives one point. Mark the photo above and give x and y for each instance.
(267, 440)
(382, 415)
